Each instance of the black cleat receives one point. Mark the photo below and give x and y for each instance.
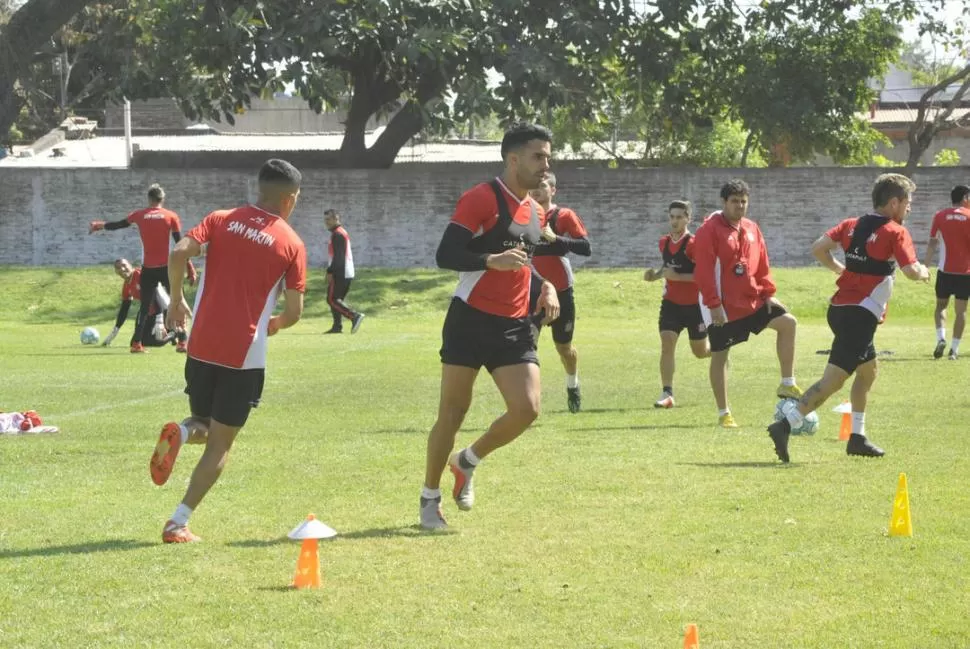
(779, 432)
(940, 346)
(356, 322)
(573, 400)
(333, 330)
(860, 445)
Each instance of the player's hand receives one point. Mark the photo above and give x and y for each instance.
(668, 273)
(548, 302)
(178, 313)
(193, 275)
(548, 234)
(718, 315)
(774, 303)
(94, 226)
(110, 337)
(649, 275)
(924, 273)
(511, 259)
(273, 326)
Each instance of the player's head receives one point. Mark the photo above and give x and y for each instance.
(891, 196)
(156, 195)
(331, 218)
(526, 150)
(679, 214)
(279, 186)
(123, 268)
(546, 190)
(735, 194)
(960, 196)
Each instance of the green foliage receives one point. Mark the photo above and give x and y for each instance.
(947, 158)
(880, 160)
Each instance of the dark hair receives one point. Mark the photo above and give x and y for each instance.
(890, 186)
(551, 178)
(680, 205)
(156, 194)
(332, 212)
(280, 173)
(736, 187)
(521, 133)
(959, 194)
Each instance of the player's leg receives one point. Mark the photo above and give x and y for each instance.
(785, 326)
(668, 349)
(943, 291)
(718, 375)
(959, 324)
(457, 383)
(520, 388)
(356, 317)
(563, 329)
(146, 284)
(859, 443)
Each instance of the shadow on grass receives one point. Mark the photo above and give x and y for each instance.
(406, 531)
(260, 543)
(611, 428)
(737, 465)
(113, 545)
(376, 291)
(600, 410)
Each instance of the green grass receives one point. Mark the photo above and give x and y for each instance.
(611, 528)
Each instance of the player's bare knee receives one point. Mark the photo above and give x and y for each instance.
(451, 417)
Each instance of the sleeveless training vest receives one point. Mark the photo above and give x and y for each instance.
(857, 260)
(679, 262)
(507, 233)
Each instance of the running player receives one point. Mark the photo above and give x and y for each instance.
(253, 256)
(155, 223)
(950, 235)
(340, 273)
(563, 233)
(489, 241)
(130, 290)
(738, 294)
(679, 308)
(874, 244)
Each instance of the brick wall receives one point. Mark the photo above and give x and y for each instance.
(395, 217)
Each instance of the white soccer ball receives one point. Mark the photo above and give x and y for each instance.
(90, 336)
(809, 422)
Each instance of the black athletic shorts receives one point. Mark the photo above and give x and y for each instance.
(854, 328)
(473, 338)
(223, 393)
(738, 331)
(948, 284)
(563, 326)
(677, 317)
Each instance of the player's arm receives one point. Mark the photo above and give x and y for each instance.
(562, 245)
(932, 246)
(95, 226)
(292, 311)
(671, 275)
(119, 321)
(905, 253)
(763, 274)
(548, 301)
(190, 271)
(185, 249)
(705, 256)
(822, 251)
(916, 272)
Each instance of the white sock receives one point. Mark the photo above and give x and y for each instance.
(181, 515)
(572, 380)
(184, 431)
(788, 381)
(430, 494)
(955, 345)
(794, 417)
(941, 333)
(859, 423)
(470, 456)
(723, 411)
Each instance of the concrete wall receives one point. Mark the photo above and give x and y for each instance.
(396, 217)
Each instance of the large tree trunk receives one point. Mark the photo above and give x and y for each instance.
(925, 128)
(28, 30)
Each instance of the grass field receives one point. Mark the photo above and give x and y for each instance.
(614, 527)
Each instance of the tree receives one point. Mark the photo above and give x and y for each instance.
(28, 30)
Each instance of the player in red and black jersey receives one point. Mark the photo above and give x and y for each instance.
(154, 223)
(950, 236)
(340, 274)
(145, 330)
(874, 245)
(563, 233)
(679, 308)
(489, 241)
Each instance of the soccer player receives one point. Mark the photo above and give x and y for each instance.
(340, 273)
(737, 293)
(950, 235)
(563, 233)
(679, 308)
(130, 290)
(489, 241)
(155, 223)
(253, 257)
(874, 244)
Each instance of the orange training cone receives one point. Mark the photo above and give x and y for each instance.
(691, 641)
(307, 566)
(901, 524)
(845, 424)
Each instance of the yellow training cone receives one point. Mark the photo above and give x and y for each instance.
(901, 524)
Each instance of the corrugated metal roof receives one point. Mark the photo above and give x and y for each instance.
(907, 115)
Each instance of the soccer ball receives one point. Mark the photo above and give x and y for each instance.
(809, 422)
(90, 336)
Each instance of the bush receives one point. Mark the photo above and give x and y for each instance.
(946, 158)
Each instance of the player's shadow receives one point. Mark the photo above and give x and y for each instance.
(615, 428)
(604, 410)
(399, 531)
(259, 543)
(738, 465)
(113, 545)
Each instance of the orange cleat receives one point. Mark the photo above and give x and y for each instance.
(166, 450)
(175, 533)
(138, 348)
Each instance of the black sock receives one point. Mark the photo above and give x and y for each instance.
(463, 462)
(668, 390)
